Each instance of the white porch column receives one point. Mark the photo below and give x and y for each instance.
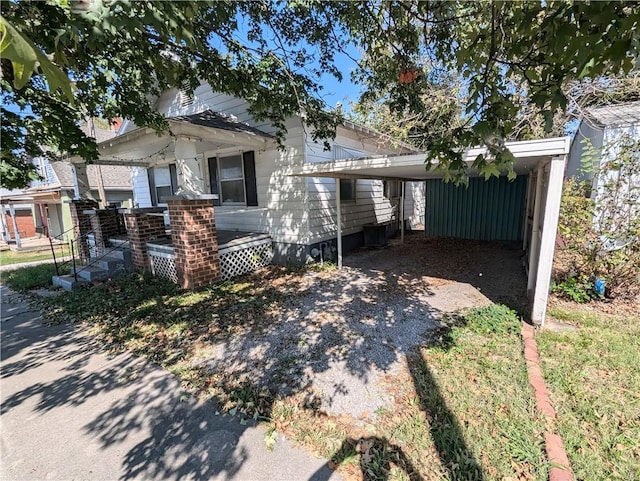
(548, 239)
(402, 184)
(6, 235)
(189, 168)
(339, 223)
(81, 187)
(16, 233)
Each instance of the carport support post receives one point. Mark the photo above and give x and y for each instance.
(535, 230)
(548, 239)
(402, 211)
(339, 223)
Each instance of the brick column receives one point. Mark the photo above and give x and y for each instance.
(105, 224)
(82, 224)
(142, 228)
(195, 242)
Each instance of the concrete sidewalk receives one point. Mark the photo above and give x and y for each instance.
(71, 411)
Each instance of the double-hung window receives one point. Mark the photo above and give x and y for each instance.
(233, 179)
(163, 183)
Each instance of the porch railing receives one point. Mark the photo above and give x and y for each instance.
(74, 246)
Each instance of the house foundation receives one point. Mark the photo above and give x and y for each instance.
(195, 242)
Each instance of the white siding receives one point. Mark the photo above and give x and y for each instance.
(290, 209)
(414, 204)
(370, 205)
(140, 180)
(578, 146)
(281, 210)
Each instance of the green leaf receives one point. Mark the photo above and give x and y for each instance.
(26, 58)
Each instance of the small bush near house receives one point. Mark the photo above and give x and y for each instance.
(602, 239)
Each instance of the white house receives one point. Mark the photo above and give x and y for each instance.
(218, 149)
(598, 143)
(305, 203)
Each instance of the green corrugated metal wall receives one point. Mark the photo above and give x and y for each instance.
(486, 210)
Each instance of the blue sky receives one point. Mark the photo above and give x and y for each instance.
(345, 91)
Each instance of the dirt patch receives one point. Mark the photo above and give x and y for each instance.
(340, 332)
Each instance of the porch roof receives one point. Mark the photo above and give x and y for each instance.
(25, 197)
(209, 131)
(412, 167)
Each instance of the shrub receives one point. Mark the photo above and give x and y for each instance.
(600, 231)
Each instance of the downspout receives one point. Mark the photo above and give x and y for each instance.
(339, 223)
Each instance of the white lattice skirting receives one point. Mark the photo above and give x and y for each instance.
(235, 259)
(246, 257)
(163, 262)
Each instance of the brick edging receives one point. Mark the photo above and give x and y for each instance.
(559, 468)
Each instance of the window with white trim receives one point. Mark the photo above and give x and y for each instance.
(231, 175)
(391, 189)
(348, 190)
(162, 183)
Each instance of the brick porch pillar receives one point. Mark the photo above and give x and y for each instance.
(142, 228)
(105, 224)
(82, 224)
(195, 241)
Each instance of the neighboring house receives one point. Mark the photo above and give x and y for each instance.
(217, 149)
(115, 181)
(17, 217)
(50, 197)
(598, 139)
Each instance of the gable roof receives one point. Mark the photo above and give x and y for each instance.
(114, 177)
(216, 120)
(616, 114)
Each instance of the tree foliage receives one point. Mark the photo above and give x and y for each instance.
(600, 229)
(501, 50)
(121, 54)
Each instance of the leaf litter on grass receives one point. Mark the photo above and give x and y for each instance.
(261, 344)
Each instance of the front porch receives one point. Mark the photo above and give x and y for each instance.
(191, 253)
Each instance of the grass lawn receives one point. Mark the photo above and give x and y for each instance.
(32, 277)
(11, 257)
(593, 376)
(461, 409)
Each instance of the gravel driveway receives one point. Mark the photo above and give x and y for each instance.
(342, 331)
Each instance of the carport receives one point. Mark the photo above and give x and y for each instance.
(542, 161)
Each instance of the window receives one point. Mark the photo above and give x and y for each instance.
(231, 180)
(347, 189)
(391, 189)
(163, 182)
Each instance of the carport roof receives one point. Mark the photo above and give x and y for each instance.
(412, 167)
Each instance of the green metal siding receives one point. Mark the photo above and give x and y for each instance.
(486, 210)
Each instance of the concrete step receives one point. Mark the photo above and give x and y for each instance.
(115, 241)
(109, 263)
(122, 253)
(93, 273)
(68, 283)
